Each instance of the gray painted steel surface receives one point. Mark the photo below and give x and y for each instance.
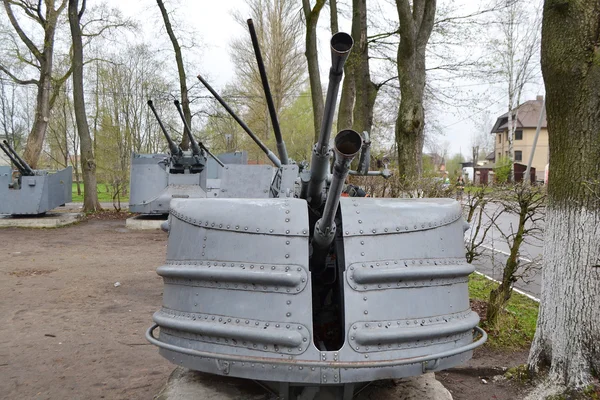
(273, 277)
(238, 290)
(37, 194)
(153, 185)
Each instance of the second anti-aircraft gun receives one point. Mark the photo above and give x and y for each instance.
(157, 178)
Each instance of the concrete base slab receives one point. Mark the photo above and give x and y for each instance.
(48, 220)
(184, 384)
(145, 222)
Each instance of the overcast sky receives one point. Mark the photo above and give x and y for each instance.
(213, 27)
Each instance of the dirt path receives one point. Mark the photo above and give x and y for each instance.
(66, 331)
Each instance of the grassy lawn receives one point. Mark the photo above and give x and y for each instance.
(104, 194)
(516, 325)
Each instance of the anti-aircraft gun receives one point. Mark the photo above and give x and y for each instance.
(157, 178)
(29, 191)
(305, 289)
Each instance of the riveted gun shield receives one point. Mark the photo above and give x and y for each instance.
(304, 287)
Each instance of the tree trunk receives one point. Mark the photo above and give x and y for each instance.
(358, 91)
(333, 17)
(88, 162)
(35, 140)
(568, 330)
(316, 91)
(366, 91)
(344, 120)
(416, 24)
(185, 101)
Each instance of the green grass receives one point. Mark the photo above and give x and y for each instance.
(104, 194)
(516, 325)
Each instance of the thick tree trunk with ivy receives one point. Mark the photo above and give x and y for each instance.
(311, 16)
(416, 24)
(88, 161)
(567, 338)
(185, 101)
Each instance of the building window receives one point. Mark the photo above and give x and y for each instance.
(519, 135)
(499, 156)
(518, 155)
(499, 138)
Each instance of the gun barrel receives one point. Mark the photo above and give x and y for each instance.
(12, 159)
(193, 144)
(341, 44)
(21, 165)
(347, 144)
(281, 150)
(173, 148)
(241, 123)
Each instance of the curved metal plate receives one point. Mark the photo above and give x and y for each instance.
(368, 216)
(235, 275)
(254, 216)
(270, 336)
(386, 335)
(386, 274)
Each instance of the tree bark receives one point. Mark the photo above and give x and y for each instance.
(416, 25)
(567, 338)
(333, 17)
(88, 162)
(316, 91)
(366, 90)
(358, 91)
(185, 101)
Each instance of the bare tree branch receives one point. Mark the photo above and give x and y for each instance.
(17, 80)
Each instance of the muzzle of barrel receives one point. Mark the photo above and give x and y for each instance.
(347, 145)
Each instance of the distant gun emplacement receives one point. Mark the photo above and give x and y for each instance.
(282, 280)
(26, 191)
(156, 179)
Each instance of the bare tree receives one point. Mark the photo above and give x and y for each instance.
(13, 129)
(481, 213)
(528, 203)
(185, 101)
(311, 16)
(278, 29)
(567, 338)
(88, 162)
(42, 59)
(515, 52)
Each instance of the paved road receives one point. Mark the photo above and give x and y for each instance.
(495, 252)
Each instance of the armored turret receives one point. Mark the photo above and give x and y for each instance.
(304, 288)
(31, 192)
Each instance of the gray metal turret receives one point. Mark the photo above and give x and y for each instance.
(301, 288)
(29, 191)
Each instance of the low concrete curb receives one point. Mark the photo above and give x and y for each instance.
(184, 384)
(145, 222)
(48, 220)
